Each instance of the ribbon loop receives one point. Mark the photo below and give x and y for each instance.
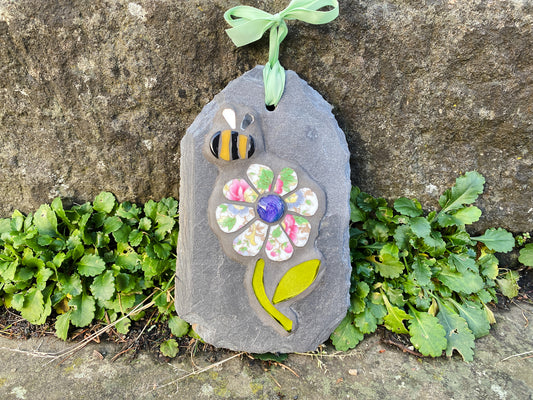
(249, 24)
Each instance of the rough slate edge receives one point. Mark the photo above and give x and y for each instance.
(242, 333)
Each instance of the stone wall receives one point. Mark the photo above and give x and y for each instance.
(96, 95)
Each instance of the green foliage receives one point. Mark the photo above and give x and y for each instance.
(95, 261)
(526, 255)
(424, 275)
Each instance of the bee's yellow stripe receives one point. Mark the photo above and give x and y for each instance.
(243, 146)
(225, 139)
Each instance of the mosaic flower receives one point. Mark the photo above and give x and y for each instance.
(267, 214)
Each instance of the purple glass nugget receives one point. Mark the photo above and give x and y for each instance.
(270, 208)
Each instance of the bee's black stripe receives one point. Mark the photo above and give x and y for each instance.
(234, 145)
(215, 143)
(251, 146)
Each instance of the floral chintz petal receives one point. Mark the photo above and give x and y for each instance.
(286, 181)
(239, 190)
(297, 229)
(250, 242)
(303, 201)
(278, 247)
(232, 217)
(261, 177)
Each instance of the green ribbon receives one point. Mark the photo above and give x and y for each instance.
(249, 24)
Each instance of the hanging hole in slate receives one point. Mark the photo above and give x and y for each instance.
(271, 107)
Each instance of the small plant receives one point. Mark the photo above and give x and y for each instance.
(424, 275)
(92, 262)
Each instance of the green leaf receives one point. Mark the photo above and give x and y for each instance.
(135, 237)
(526, 255)
(462, 263)
(509, 284)
(405, 206)
(162, 250)
(57, 206)
(150, 209)
(112, 224)
(279, 357)
(45, 220)
(466, 282)
(365, 321)
(420, 227)
(346, 336)
(164, 226)
(356, 214)
(122, 234)
(489, 266)
(434, 244)
(395, 317)
(103, 286)
(41, 277)
(33, 307)
(123, 326)
(70, 284)
(466, 190)
(178, 327)
(129, 260)
(91, 265)
(427, 334)
(62, 324)
(125, 282)
(296, 280)
(459, 337)
(169, 348)
(83, 308)
(475, 317)
(497, 240)
(422, 270)
(104, 202)
(388, 266)
(145, 224)
(377, 230)
(17, 221)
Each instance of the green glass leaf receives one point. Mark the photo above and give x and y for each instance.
(427, 334)
(465, 191)
(346, 336)
(90, 265)
(103, 286)
(45, 220)
(405, 206)
(62, 324)
(497, 240)
(296, 280)
(466, 282)
(169, 348)
(475, 317)
(83, 308)
(459, 337)
(104, 202)
(420, 227)
(509, 284)
(526, 255)
(112, 224)
(178, 327)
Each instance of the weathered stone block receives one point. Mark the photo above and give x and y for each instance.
(242, 229)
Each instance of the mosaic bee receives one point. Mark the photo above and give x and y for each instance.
(265, 212)
(229, 145)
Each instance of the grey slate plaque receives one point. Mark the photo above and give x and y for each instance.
(233, 221)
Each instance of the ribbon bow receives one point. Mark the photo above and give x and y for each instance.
(249, 24)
